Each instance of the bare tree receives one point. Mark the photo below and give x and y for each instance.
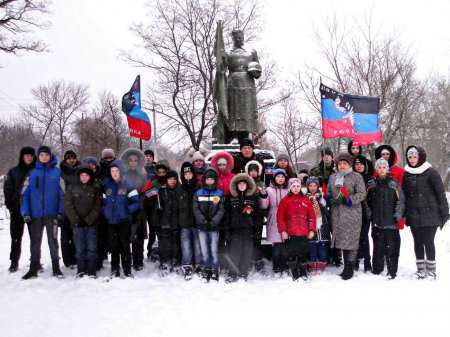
(58, 105)
(18, 19)
(103, 127)
(296, 132)
(361, 62)
(179, 52)
(14, 135)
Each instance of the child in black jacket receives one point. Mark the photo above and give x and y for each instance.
(386, 201)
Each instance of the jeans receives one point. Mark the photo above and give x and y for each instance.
(86, 247)
(318, 250)
(190, 247)
(209, 245)
(36, 230)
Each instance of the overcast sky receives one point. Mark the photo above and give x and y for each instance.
(86, 35)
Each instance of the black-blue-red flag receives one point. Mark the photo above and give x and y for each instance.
(138, 121)
(350, 116)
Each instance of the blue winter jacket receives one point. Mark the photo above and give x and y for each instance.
(120, 201)
(44, 191)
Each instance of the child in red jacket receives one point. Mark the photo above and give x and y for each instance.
(296, 221)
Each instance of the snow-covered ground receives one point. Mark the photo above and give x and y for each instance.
(149, 306)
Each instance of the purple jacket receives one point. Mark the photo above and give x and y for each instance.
(275, 194)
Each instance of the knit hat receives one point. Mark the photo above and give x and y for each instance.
(210, 173)
(108, 153)
(282, 156)
(278, 172)
(85, 169)
(90, 160)
(246, 142)
(344, 157)
(222, 161)
(44, 149)
(381, 161)
(412, 151)
(149, 153)
(172, 174)
(197, 156)
(186, 167)
(312, 180)
(294, 181)
(70, 154)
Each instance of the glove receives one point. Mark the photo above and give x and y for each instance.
(27, 219)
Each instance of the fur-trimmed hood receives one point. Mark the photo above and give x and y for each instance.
(133, 151)
(227, 156)
(393, 158)
(257, 163)
(251, 186)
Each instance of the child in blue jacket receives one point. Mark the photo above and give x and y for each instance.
(120, 202)
(43, 206)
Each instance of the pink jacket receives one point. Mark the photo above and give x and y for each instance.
(275, 194)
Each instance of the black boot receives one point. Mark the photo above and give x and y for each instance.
(56, 271)
(367, 265)
(356, 267)
(294, 267)
(215, 275)
(92, 268)
(13, 267)
(303, 271)
(81, 268)
(207, 273)
(32, 272)
(347, 274)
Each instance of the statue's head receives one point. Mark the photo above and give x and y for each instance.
(238, 37)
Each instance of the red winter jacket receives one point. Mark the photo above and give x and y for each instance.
(224, 179)
(296, 215)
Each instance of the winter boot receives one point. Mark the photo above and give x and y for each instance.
(421, 269)
(115, 272)
(367, 265)
(215, 275)
(431, 269)
(347, 273)
(259, 265)
(92, 268)
(32, 272)
(81, 268)
(356, 267)
(302, 271)
(56, 271)
(392, 265)
(206, 275)
(13, 267)
(231, 278)
(187, 272)
(127, 272)
(163, 270)
(336, 257)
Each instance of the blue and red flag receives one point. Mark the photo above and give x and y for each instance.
(138, 121)
(350, 116)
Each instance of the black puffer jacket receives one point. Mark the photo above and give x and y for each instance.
(240, 161)
(174, 211)
(387, 203)
(15, 179)
(243, 205)
(189, 187)
(68, 173)
(83, 202)
(426, 202)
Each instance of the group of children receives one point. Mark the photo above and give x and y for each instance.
(210, 218)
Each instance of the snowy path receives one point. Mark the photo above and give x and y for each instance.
(149, 306)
